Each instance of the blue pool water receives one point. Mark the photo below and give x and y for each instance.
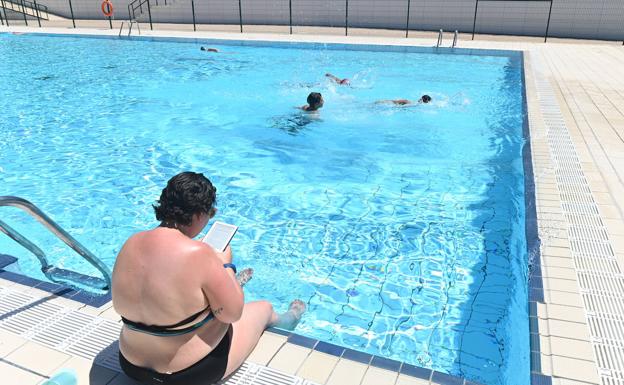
(402, 228)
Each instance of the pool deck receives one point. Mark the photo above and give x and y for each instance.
(575, 98)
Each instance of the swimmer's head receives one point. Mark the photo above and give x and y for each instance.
(315, 101)
(425, 99)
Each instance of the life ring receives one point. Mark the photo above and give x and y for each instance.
(107, 8)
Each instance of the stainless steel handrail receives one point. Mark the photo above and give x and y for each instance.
(440, 35)
(46, 221)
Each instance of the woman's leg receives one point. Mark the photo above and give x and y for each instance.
(256, 317)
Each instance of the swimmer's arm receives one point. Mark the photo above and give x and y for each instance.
(398, 102)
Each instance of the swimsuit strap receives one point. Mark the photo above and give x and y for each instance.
(168, 330)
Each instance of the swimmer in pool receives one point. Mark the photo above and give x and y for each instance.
(337, 80)
(404, 102)
(315, 101)
(209, 49)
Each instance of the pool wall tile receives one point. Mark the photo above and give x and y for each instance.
(416, 371)
(6, 260)
(280, 331)
(304, 341)
(540, 379)
(332, 349)
(532, 309)
(18, 278)
(356, 356)
(386, 363)
(535, 342)
(536, 362)
(446, 379)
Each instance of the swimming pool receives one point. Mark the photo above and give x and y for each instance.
(402, 228)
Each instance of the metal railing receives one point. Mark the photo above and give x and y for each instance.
(26, 8)
(53, 273)
(138, 7)
(474, 22)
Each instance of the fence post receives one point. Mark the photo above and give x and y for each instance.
(1, 18)
(408, 17)
(37, 13)
(71, 9)
(5, 15)
(290, 14)
(240, 15)
(346, 17)
(548, 23)
(474, 22)
(149, 13)
(24, 13)
(193, 9)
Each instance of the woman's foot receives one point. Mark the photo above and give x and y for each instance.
(244, 276)
(291, 318)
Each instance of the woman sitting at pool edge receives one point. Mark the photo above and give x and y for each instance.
(185, 320)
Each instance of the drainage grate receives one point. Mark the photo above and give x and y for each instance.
(249, 374)
(600, 278)
(96, 338)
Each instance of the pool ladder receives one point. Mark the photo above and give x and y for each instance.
(130, 24)
(53, 273)
(441, 35)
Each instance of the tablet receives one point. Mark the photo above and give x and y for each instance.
(220, 235)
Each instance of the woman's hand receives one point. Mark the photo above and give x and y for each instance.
(226, 256)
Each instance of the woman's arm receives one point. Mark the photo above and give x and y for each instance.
(221, 287)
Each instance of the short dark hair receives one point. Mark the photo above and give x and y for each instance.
(314, 98)
(425, 98)
(186, 194)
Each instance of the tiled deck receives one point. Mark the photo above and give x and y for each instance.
(575, 95)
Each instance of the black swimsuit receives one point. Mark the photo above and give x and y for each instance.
(208, 370)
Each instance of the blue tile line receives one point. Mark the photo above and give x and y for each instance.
(370, 359)
(540, 379)
(297, 44)
(446, 379)
(536, 285)
(81, 296)
(6, 260)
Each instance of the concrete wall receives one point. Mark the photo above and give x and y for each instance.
(595, 19)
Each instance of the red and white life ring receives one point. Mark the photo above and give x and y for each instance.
(107, 8)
